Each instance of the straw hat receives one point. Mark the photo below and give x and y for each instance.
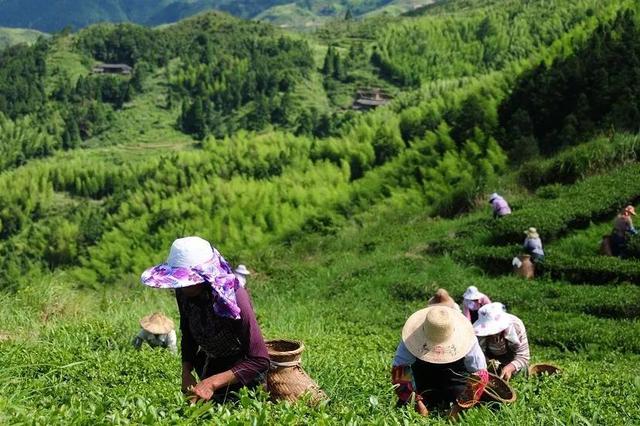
(242, 270)
(630, 210)
(532, 233)
(157, 323)
(493, 196)
(438, 334)
(472, 293)
(492, 319)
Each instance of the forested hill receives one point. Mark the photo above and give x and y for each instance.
(11, 36)
(244, 134)
(54, 15)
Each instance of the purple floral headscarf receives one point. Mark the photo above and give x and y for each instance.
(215, 271)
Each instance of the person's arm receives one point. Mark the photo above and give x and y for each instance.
(521, 352)
(403, 380)
(172, 341)
(476, 364)
(484, 300)
(137, 341)
(631, 229)
(255, 361)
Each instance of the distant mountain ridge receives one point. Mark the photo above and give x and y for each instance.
(55, 15)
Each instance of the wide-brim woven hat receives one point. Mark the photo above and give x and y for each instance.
(630, 210)
(472, 293)
(492, 319)
(438, 334)
(532, 233)
(190, 261)
(157, 323)
(493, 196)
(242, 270)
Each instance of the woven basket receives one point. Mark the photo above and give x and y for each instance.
(527, 269)
(287, 381)
(498, 390)
(540, 369)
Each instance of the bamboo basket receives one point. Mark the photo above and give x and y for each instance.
(286, 380)
(498, 390)
(527, 269)
(540, 369)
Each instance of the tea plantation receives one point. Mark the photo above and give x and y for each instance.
(246, 134)
(67, 357)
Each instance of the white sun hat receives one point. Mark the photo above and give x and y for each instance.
(472, 293)
(438, 334)
(191, 261)
(492, 319)
(241, 269)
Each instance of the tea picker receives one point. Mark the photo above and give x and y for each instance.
(473, 300)
(623, 229)
(439, 362)
(503, 339)
(158, 331)
(242, 273)
(221, 339)
(499, 206)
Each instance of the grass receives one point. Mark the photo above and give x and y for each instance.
(11, 36)
(68, 359)
(65, 64)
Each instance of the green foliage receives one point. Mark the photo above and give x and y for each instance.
(576, 163)
(474, 40)
(595, 198)
(21, 140)
(557, 105)
(22, 72)
(124, 44)
(13, 36)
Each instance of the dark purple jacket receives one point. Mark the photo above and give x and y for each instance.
(235, 344)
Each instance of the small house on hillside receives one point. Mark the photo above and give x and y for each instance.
(121, 69)
(370, 99)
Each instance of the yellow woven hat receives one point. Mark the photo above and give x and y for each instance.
(438, 334)
(157, 323)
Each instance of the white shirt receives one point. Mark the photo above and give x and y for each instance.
(168, 340)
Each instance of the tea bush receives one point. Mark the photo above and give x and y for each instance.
(592, 199)
(601, 155)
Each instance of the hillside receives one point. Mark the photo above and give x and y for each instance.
(55, 15)
(11, 36)
(51, 16)
(243, 133)
(309, 15)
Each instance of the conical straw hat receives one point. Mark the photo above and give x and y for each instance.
(438, 334)
(157, 323)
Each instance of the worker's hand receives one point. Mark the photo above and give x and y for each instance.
(422, 409)
(188, 381)
(204, 389)
(507, 372)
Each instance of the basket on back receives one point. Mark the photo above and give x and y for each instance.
(526, 269)
(286, 380)
(498, 390)
(540, 369)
